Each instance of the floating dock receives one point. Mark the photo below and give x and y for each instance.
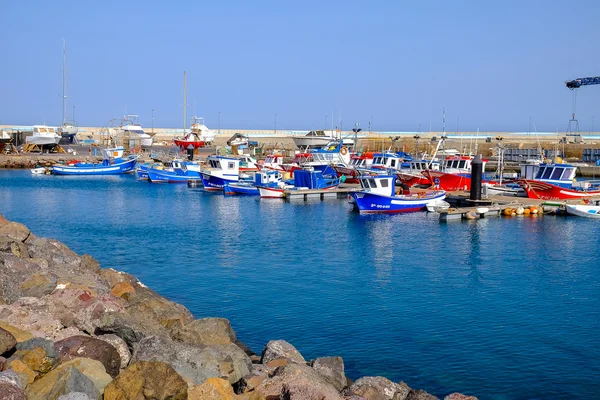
(322, 194)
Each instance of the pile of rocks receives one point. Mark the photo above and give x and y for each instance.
(72, 330)
(33, 161)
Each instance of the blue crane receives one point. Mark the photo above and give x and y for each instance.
(576, 83)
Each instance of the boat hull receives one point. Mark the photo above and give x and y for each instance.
(215, 183)
(449, 182)
(271, 193)
(185, 143)
(162, 176)
(239, 189)
(547, 191)
(95, 169)
(586, 211)
(371, 203)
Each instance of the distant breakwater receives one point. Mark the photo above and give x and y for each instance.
(70, 329)
(39, 160)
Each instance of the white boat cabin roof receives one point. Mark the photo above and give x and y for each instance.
(556, 172)
(380, 184)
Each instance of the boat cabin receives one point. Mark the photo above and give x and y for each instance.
(422, 165)
(228, 165)
(558, 174)
(335, 154)
(115, 152)
(459, 164)
(265, 177)
(273, 161)
(382, 184)
(387, 161)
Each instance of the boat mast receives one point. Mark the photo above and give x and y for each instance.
(184, 102)
(64, 83)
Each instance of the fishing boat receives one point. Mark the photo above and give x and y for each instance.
(43, 136)
(557, 182)
(247, 163)
(319, 138)
(41, 171)
(113, 164)
(438, 206)
(304, 179)
(584, 210)
(378, 195)
(297, 162)
(413, 174)
(220, 169)
(357, 163)
(264, 178)
(273, 162)
(176, 171)
(332, 154)
(130, 127)
(455, 173)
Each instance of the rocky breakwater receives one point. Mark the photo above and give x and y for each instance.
(39, 160)
(70, 329)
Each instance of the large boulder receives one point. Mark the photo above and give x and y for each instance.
(276, 349)
(121, 346)
(212, 389)
(38, 354)
(92, 369)
(11, 386)
(147, 380)
(15, 231)
(332, 369)
(19, 334)
(459, 396)
(59, 382)
(195, 363)
(420, 395)
(13, 274)
(297, 382)
(205, 331)
(7, 341)
(89, 347)
(378, 388)
(38, 285)
(20, 368)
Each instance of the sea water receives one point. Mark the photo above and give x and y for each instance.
(503, 308)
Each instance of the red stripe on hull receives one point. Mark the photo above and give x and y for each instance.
(547, 191)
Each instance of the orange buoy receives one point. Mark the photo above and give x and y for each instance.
(508, 211)
(526, 211)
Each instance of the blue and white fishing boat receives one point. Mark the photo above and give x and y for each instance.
(265, 178)
(332, 154)
(378, 195)
(176, 171)
(113, 164)
(221, 169)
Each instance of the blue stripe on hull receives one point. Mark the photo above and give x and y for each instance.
(96, 169)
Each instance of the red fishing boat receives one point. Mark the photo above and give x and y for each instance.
(557, 182)
(454, 175)
(352, 171)
(192, 139)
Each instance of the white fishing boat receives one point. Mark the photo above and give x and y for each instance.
(132, 128)
(318, 139)
(438, 206)
(43, 135)
(584, 210)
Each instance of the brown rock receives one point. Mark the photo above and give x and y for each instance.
(26, 374)
(11, 392)
(206, 331)
(280, 362)
(38, 354)
(59, 382)
(121, 289)
(15, 231)
(377, 388)
(112, 277)
(281, 349)
(332, 369)
(90, 263)
(420, 395)
(92, 369)
(212, 389)
(89, 347)
(297, 382)
(7, 341)
(459, 396)
(121, 347)
(19, 334)
(38, 285)
(147, 380)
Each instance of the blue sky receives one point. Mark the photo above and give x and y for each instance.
(492, 65)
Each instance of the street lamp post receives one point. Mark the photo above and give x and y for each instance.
(153, 121)
(219, 122)
(275, 124)
(74, 116)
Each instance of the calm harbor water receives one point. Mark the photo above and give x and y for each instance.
(502, 308)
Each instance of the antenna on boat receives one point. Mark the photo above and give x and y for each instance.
(184, 102)
(64, 82)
